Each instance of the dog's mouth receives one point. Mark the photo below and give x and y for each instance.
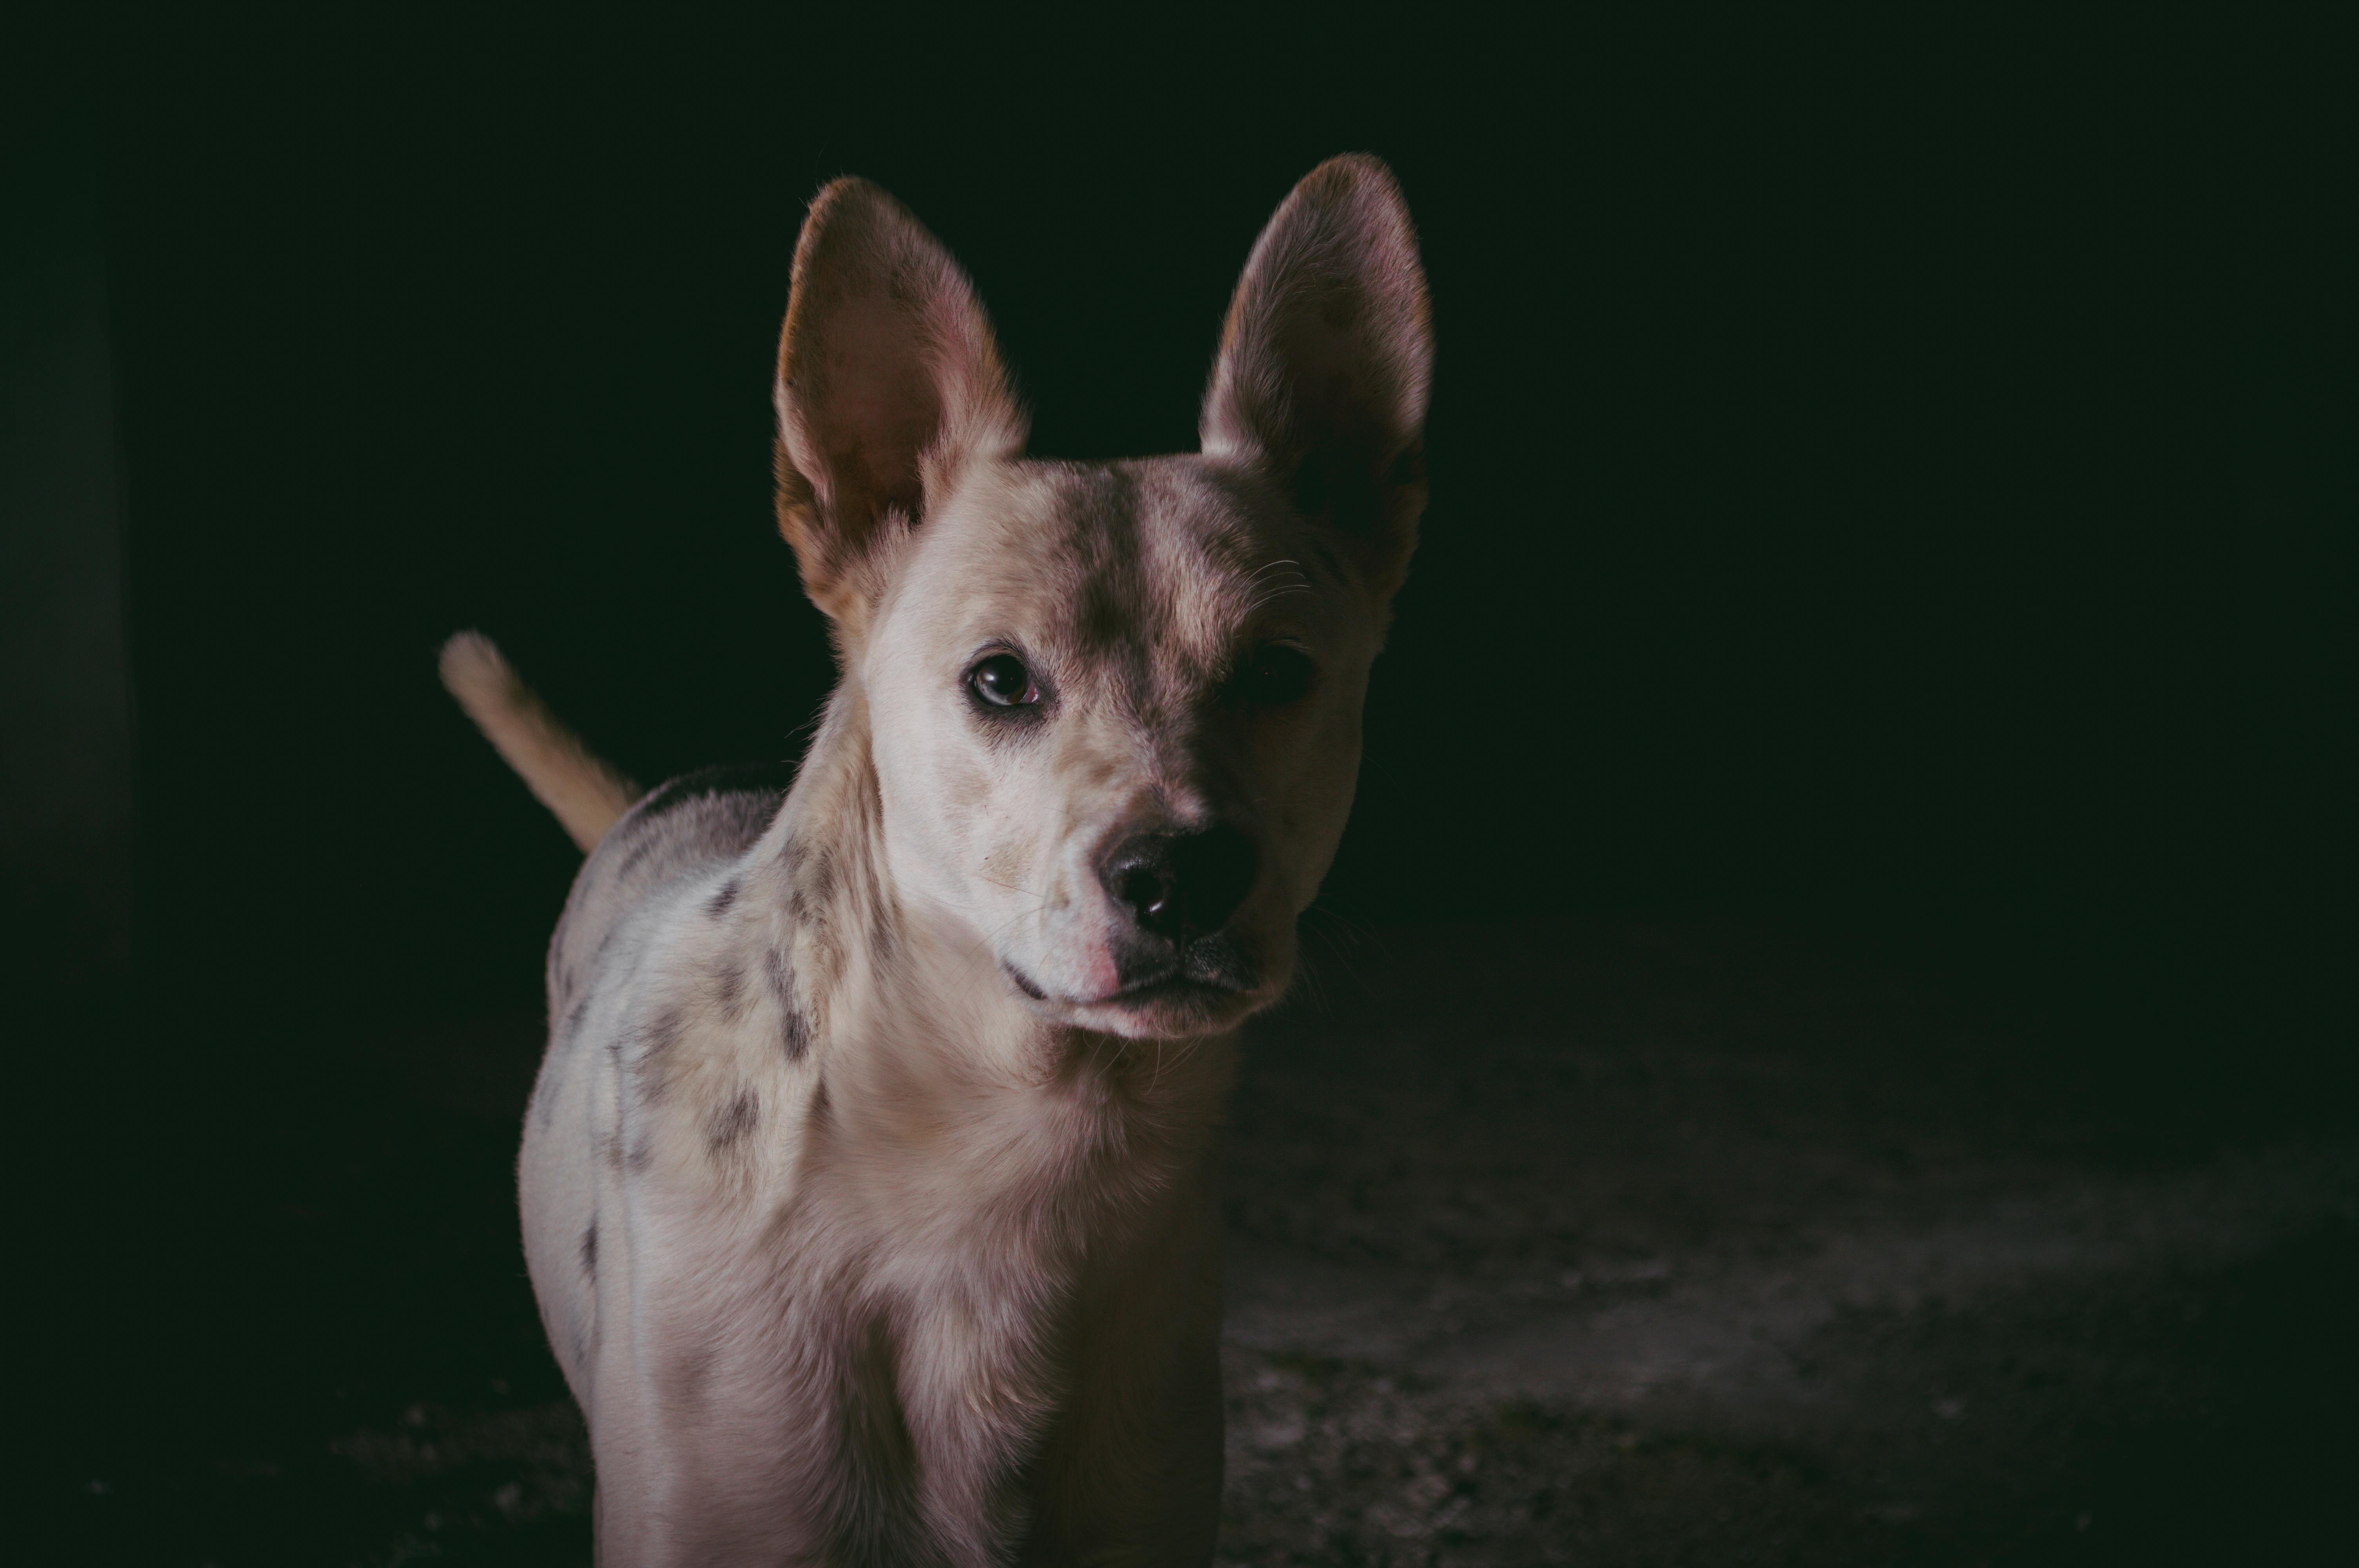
(1200, 984)
(1169, 987)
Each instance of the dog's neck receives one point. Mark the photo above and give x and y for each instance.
(915, 1029)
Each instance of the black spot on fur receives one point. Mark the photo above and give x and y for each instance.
(656, 1042)
(729, 990)
(589, 1251)
(884, 937)
(815, 882)
(794, 1031)
(799, 859)
(734, 1123)
(718, 905)
(642, 1155)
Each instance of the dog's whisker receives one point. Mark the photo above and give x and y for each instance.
(1016, 888)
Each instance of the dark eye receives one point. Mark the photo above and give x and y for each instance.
(1274, 674)
(1002, 681)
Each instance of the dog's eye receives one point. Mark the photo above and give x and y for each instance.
(1002, 681)
(1274, 674)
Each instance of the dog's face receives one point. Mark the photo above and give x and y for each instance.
(1116, 713)
(1114, 708)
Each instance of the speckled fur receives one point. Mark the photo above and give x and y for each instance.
(870, 1221)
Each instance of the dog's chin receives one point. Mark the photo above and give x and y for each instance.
(1169, 1009)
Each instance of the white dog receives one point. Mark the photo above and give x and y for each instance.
(866, 1185)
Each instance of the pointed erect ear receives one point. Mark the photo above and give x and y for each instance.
(888, 384)
(1325, 360)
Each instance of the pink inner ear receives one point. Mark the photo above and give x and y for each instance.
(878, 411)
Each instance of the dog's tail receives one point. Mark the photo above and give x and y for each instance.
(585, 793)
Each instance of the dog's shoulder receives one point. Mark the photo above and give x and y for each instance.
(680, 834)
(718, 811)
(685, 826)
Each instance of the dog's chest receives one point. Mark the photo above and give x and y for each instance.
(918, 1270)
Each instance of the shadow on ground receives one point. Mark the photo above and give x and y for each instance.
(1609, 1246)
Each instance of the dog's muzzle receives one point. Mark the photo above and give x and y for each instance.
(1172, 953)
(1177, 889)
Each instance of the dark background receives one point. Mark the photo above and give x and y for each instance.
(1891, 478)
(1889, 472)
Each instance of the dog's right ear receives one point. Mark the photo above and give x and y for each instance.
(888, 384)
(1325, 361)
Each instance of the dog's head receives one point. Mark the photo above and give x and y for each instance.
(1115, 707)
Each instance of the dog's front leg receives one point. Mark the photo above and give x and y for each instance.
(678, 1488)
(715, 1418)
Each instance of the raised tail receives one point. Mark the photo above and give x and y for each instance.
(586, 794)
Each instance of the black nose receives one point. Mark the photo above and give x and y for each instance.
(1181, 885)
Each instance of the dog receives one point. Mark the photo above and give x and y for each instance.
(866, 1185)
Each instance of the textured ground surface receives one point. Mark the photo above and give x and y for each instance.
(1601, 1247)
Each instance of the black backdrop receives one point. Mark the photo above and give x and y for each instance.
(1891, 473)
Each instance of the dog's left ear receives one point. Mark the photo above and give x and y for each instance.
(1325, 361)
(889, 382)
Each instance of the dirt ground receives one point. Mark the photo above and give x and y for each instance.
(1611, 1245)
